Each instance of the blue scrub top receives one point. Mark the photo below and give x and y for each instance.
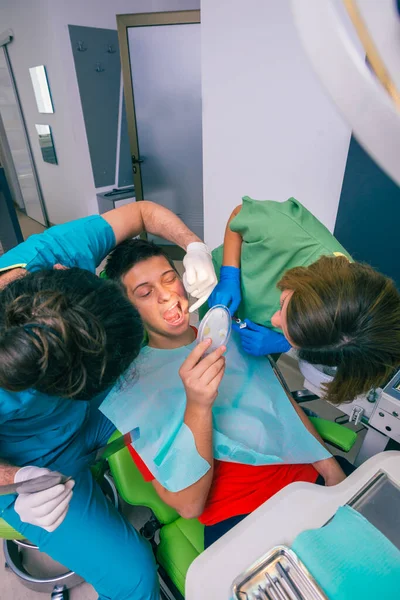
(83, 243)
(36, 428)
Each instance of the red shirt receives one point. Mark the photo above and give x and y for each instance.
(239, 489)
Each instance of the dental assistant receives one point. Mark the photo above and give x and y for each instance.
(65, 337)
(283, 271)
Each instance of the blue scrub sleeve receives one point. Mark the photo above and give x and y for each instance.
(83, 243)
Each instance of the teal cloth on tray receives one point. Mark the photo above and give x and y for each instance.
(351, 559)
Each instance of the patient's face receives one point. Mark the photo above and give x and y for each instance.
(157, 292)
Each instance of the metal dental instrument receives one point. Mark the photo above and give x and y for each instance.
(44, 482)
(302, 583)
(242, 324)
(280, 589)
(283, 573)
(287, 590)
(263, 593)
(271, 589)
(37, 484)
(289, 581)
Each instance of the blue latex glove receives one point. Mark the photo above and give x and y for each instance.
(260, 341)
(227, 292)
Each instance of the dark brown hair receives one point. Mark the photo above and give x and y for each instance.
(346, 315)
(129, 253)
(66, 333)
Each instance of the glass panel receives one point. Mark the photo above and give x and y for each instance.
(165, 62)
(27, 194)
(41, 89)
(46, 143)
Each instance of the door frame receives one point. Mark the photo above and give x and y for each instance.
(13, 181)
(181, 17)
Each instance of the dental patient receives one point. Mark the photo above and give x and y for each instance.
(258, 442)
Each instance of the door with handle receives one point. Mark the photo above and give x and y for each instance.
(160, 54)
(136, 161)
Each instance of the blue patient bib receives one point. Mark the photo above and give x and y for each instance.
(254, 422)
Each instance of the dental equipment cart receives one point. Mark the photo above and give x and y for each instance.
(233, 562)
(378, 411)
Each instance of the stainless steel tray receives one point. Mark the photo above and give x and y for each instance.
(379, 501)
(278, 575)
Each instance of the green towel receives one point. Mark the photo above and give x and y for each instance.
(351, 559)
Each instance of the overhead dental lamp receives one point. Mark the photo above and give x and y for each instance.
(354, 46)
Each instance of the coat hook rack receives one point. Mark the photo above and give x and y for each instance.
(81, 47)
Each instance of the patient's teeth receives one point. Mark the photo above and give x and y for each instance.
(173, 314)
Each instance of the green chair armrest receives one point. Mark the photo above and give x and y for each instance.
(334, 433)
(180, 543)
(134, 489)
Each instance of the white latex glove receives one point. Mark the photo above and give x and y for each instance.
(199, 277)
(46, 509)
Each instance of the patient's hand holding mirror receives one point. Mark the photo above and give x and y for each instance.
(216, 326)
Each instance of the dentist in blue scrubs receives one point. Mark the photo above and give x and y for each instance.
(49, 417)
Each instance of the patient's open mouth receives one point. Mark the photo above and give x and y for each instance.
(174, 315)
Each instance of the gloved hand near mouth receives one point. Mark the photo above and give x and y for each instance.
(199, 278)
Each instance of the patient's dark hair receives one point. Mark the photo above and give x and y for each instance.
(66, 333)
(127, 254)
(345, 314)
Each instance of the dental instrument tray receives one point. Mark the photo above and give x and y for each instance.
(278, 575)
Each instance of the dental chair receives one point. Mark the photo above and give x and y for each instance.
(182, 540)
(176, 541)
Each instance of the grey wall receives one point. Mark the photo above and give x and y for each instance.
(368, 219)
(98, 71)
